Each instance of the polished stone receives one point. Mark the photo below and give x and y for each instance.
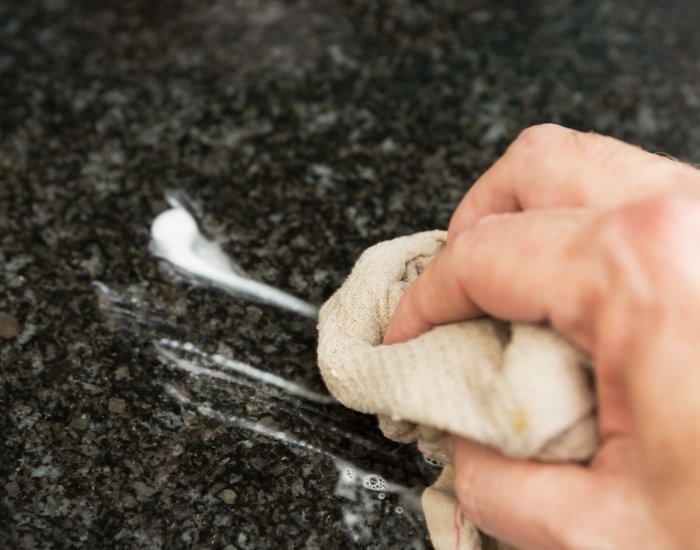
(299, 133)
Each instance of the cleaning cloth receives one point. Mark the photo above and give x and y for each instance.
(519, 388)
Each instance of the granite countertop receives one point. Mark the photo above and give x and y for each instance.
(298, 133)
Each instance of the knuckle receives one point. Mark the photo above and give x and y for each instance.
(662, 221)
(459, 242)
(649, 249)
(560, 142)
(465, 245)
(564, 535)
(542, 137)
(460, 247)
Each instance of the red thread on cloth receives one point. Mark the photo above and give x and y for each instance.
(456, 523)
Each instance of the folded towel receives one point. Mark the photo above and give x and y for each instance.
(519, 388)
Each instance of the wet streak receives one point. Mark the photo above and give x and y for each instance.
(246, 424)
(177, 239)
(247, 370)
(354, 484)
(316, 419)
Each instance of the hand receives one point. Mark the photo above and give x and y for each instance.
(602, 240)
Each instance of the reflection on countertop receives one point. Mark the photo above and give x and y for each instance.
(146, 408)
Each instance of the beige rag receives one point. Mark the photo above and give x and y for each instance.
(519, 388)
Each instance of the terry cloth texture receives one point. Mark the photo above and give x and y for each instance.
(519, 388)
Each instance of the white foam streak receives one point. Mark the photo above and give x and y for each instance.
(177, 239)
(240, 367)
(197, 370)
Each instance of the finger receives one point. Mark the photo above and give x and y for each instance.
(549, 166)
(528, 504)
(512, 266)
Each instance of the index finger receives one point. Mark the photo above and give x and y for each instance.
(513, 266)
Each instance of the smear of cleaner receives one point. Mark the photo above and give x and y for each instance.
(367, 498)
(176, 238)
(237, 366)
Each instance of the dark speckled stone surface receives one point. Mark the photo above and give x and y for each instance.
(302, 132)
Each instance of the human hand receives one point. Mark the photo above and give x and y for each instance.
(601, 240)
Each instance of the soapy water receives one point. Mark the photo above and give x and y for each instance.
(240, 380)
(286, 395)
(372, 495)
(246, 424)
(433, 461)
(245, 369)
(365, 494)
(367, 497)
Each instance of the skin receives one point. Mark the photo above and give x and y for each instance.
(601, 240)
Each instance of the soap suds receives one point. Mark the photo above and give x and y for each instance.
(367, 498)
(176, 238)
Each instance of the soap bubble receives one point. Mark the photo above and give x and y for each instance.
(433, 462)
(374, 482)
(349, 474)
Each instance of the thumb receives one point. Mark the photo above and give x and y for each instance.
(528, 504)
